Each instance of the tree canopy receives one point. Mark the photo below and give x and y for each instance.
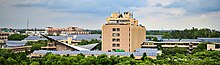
(17, 37)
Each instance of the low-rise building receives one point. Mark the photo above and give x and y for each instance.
(187, 43)
(36, 33)
(3, 37)
(68, 30)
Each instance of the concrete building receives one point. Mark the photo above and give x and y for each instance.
(122, 32)
(3, 37)
(214, 43)
(68, 30)
(36, 33)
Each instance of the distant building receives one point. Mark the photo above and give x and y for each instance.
(4, 37)
(68, 30)
(16, 46)
(122, 32)
(36, 33)
(186, 43)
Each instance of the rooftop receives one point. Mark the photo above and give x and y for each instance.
(149, 53)
(15, 43)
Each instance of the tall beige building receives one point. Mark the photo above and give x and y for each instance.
(122, 32)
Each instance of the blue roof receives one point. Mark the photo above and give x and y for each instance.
(15, 43)
(151, 50)
(96, 53)
(58, 37)
(86, 37)
(89, 46)
(35, 38)
(179, 40)
(209, 39)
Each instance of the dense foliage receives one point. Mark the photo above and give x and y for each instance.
(36, 45)
(86, 42)
(17, 37)
(94, 31)
(198, 58)
(187, 33)
(170, 56)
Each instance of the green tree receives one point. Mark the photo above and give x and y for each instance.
(35, 63)
(11, 61)
(132, 56)
(200, 47)
(155, 39)
(144, 55)
(17, 37)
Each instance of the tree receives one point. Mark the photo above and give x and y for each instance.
(155, 39)
(159, 46)
(11, 61)
(144, 55)
(200, 47)
(35, 63)
(17, 37)
(132, 56)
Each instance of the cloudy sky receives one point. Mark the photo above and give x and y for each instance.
(91, 14)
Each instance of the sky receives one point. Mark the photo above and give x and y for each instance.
(91, 14)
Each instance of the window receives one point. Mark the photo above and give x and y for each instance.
(113, 39)
(113, 50)
(115, 34)
(113, 45)
(217, 45)
(118, 34)
(118, 29)
(118, 40)
(118, 45)
(113, 29)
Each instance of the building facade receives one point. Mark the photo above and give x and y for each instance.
(68, 30)
(36, 33)
(122, 32)
(3, 37)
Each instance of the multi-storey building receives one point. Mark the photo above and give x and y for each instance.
(122, 32)
(3, 37)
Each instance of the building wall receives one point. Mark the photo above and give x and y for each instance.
(61, 47)
(107, 43)
(68, 30)
(137, 37)
(3, 37)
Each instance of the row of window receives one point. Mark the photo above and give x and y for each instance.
(3, 37)
(4, 34)
(115, 34)
(115, 40)
(115, 45)
(115, 29)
